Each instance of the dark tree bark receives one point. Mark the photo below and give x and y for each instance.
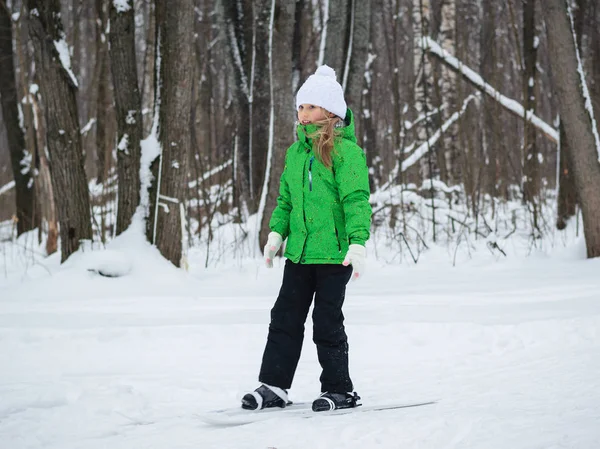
(239, 39)
(175, 21)
(369, 134)
(148, 87)
(337, 36)
(594, 18)
(355, 79)
(24, 189)
(567, 193)
(103, 101)
(489, 108)
(531, 164)
(129, 114)
(58, 89)
(261, 100)
(44, 190)
(576, 119)
(247, 30)
(282, 101)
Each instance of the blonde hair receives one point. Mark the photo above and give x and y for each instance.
(324, 138)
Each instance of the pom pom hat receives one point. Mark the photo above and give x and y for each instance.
(322, 89)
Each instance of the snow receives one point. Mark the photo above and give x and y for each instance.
(507, 346)
(513, 105)
(130, 119)
(124, 143)
(65, 59)
(6, 187)
(88, 126)
(122, 5)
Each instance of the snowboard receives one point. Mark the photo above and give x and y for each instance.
(238, 416)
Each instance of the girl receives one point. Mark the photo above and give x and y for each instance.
(323, 210)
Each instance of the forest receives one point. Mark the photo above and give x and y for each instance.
(478, 117)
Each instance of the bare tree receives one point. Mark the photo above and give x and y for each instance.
(567, 191)
(569, 85)
(345, 42)
(335, 36)
(128, 107)
(531, 163)
(356, 58)
(22, 167)
(58, 87)
(247, 31)
(282, 103)
(102, 98)
(175, 22)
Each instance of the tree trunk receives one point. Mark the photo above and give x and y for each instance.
(489, 108)
(594, 18)
(58, 87)
(22, 168)
(446, 83)
(261, 100)
(567, 193)
(149, 72)
(103, 103)
(576, 118)
(128, 109)
(354, 80)
(282, 104)
(44, 184)
(531, 164)
(337, 36)
(175, 20)
(423, 82)
(369, 134)
(247, 30)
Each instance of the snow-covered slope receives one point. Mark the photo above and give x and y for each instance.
(509, 348)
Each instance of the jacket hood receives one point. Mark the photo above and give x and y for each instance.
(345, 132)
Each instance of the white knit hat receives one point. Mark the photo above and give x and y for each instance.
(322, 89)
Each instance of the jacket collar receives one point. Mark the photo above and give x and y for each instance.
(345, 132)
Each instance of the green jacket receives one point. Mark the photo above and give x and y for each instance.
(322, 210)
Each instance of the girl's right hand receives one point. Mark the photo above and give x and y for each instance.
(273, 244)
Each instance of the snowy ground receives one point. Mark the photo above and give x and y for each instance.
(509, 347)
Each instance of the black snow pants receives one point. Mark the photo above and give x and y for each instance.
(327, 283)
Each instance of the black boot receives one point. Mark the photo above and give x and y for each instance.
(333, 401)
(265, 396)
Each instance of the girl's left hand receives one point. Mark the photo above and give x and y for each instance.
(273, 244)
(356, 256)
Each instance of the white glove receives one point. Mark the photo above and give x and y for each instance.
(356, 256)
(273, 244)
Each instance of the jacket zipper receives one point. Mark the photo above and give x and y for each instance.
(310, 162)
